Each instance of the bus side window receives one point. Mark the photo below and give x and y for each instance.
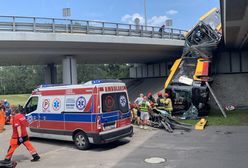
(31, 105)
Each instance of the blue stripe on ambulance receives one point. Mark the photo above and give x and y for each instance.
(79, 117)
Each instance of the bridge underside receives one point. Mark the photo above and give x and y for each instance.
(235, 23)
(30, 49)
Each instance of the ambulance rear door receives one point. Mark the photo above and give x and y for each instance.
(115, 109)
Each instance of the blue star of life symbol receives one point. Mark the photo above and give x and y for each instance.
(56, 104)
(80, 103)
(123, 101)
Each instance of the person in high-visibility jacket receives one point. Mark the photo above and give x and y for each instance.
(2, 118)
(20, 136)
(168, 103)
(160, 101)
(144, 107)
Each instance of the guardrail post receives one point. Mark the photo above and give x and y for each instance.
(129, 30)
(53, 26)
(172, 34)
(152, 32)
(141, 31)
(117, 29)
(87, 27)
(14, 23)
(102, 28)
(71, 28)
(34, 24)
(162, 33)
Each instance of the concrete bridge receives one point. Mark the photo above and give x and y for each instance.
(49, 41)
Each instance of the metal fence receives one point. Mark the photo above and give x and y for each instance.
(52, 25)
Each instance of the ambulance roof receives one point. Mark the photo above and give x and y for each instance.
(89, 84)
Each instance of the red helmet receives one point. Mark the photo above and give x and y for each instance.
(149, 94)
(152, 104)
(166, 95)
(133, 106)
(159, 94)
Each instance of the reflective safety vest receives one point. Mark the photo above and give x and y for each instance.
(160, 102)
(168, 104)
(144, 106)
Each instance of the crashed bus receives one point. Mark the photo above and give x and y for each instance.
(186, 82)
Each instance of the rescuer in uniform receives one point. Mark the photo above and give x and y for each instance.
(168, 103)
(20, 136)
(150, 98)
(160, 101)
(2, 118)
(144, 107)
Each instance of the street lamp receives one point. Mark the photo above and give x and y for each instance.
(66, 13)
(145, 15)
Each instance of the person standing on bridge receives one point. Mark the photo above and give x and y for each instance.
(20, 136)
(161, 29)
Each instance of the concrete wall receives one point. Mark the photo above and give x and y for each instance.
(230, 62)
(150, 70)
(230, 89)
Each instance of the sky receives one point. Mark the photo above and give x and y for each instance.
(184, 13)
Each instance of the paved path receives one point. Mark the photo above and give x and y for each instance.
(215, 147)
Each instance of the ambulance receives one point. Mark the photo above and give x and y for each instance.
(95, 112)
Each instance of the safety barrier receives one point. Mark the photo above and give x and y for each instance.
(53, 25)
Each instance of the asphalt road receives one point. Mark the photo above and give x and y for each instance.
(215, 147)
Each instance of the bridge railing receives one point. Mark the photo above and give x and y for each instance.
(52, 25)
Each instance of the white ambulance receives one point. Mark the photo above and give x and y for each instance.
(95, 112)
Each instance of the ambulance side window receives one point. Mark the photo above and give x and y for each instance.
(31, 105)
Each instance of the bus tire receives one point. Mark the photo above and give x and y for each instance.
(81, 140)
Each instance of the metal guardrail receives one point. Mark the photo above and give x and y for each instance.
(53, 25)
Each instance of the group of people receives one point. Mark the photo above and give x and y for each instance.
(143, 105)
(5, 113)
(19, 133)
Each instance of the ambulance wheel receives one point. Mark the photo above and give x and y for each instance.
(81, 141)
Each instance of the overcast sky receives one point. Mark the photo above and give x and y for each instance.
(184, 13)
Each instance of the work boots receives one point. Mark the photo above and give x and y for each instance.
(36, 157)
(5, 161)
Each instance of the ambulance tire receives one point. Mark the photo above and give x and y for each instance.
(81, 140)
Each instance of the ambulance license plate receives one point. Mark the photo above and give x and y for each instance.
(109, 127)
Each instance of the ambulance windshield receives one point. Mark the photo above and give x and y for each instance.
(115, 102)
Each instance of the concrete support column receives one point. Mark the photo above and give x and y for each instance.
(50, 74)
(69, 70)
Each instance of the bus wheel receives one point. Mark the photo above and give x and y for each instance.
(81, 141)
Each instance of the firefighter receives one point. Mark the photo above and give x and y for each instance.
(160, 101)
(2, 118)
(168, 103)
(144, 107)
(20, 136)
(151, 98)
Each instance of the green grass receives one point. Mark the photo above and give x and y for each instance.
(215, 117)
(236, 117)
(16, 99)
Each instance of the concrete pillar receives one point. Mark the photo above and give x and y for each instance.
(50, 74)
(69, 70)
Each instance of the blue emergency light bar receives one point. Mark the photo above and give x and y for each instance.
(99, 81)
(51, 85)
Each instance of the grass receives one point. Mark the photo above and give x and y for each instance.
(16, 99)
(236, 117)
(215, 117)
